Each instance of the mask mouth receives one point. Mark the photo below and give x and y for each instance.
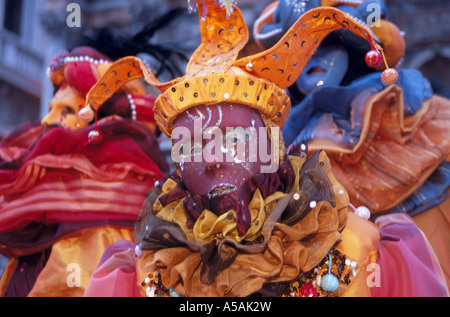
(221, 189)
(49, 126)
(315, 70)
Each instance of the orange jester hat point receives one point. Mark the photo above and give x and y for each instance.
(214, 74)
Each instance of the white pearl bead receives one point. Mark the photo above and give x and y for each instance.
(150, 291)
(363, 212)
(137, 251)
(86, 114)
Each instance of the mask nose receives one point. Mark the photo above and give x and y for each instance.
(214, 165)
(51, 118)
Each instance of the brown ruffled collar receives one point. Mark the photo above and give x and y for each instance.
(290, 233)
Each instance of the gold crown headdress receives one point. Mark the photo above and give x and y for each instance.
(214, 74)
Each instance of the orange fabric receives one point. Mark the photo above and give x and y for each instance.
(435, 224)
(360, 242)
(84, 252)
(394, 155)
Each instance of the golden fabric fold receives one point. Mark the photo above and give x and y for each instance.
(435, 224)
(359, 242)
(74, 260)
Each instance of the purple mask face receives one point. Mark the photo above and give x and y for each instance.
(217, 147)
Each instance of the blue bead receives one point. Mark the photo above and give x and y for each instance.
(329, 283)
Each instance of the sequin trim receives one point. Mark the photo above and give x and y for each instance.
(343, 268)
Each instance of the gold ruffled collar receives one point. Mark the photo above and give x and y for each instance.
(290, 233)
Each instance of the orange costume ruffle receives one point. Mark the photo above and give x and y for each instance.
(394, 156)
(285, 252)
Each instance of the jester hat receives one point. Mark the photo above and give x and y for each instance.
(272, 22)
(80, 69)
(214, 73)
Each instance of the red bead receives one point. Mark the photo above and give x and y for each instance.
(95, 136)
(389, 76)
(373, 58)
(307, 290)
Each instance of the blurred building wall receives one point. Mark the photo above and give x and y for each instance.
(427, 34)
(21, 63)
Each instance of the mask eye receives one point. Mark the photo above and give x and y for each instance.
(236, 135)
(66, 111)
(190, 148)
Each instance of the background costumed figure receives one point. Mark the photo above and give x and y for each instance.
(224, 226)
(388, 144)
(67, 193)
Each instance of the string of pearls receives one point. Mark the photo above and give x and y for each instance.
(132, 106)
(72, 59)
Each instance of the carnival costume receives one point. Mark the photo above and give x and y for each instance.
(289, 232)
(67, 193)
(388, 145)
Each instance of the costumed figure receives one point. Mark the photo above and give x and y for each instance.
(388, 143)
(231, 221)
(70, 187)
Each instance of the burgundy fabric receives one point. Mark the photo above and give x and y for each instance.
(26, 273)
